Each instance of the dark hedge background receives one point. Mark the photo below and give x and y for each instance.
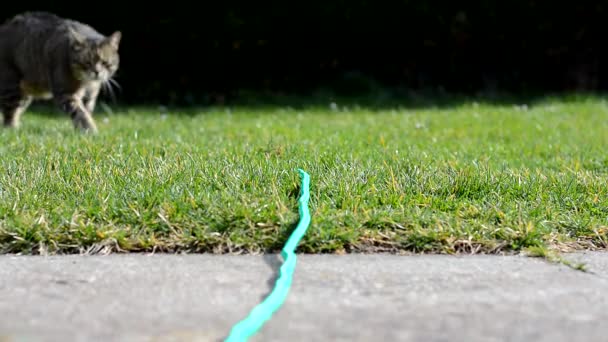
(205, 52)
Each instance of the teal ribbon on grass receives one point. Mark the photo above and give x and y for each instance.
(264, 311)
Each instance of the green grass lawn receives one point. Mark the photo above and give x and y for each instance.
(466, 178)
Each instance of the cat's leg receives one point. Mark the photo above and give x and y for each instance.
(12, 101)
(13, 104)
(12, 115)
(69, 100)
(91, 95)
(78, 112)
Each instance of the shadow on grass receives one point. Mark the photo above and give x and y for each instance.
(386, 99)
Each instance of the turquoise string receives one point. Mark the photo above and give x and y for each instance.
(264, 311)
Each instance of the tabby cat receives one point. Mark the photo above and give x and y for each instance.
(44, 56)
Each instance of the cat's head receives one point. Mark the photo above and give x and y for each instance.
(95, 59)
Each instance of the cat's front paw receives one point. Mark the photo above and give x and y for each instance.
(85, 125)
(12, 124)
(89, 130)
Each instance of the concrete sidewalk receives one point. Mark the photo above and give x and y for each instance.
(333, 298)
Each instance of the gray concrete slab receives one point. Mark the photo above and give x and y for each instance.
(333, 298)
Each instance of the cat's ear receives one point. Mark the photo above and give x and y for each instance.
(114, 39)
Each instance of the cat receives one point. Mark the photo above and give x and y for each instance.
(44, 56)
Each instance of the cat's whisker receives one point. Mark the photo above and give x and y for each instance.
(113, 81)
(107, 86)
